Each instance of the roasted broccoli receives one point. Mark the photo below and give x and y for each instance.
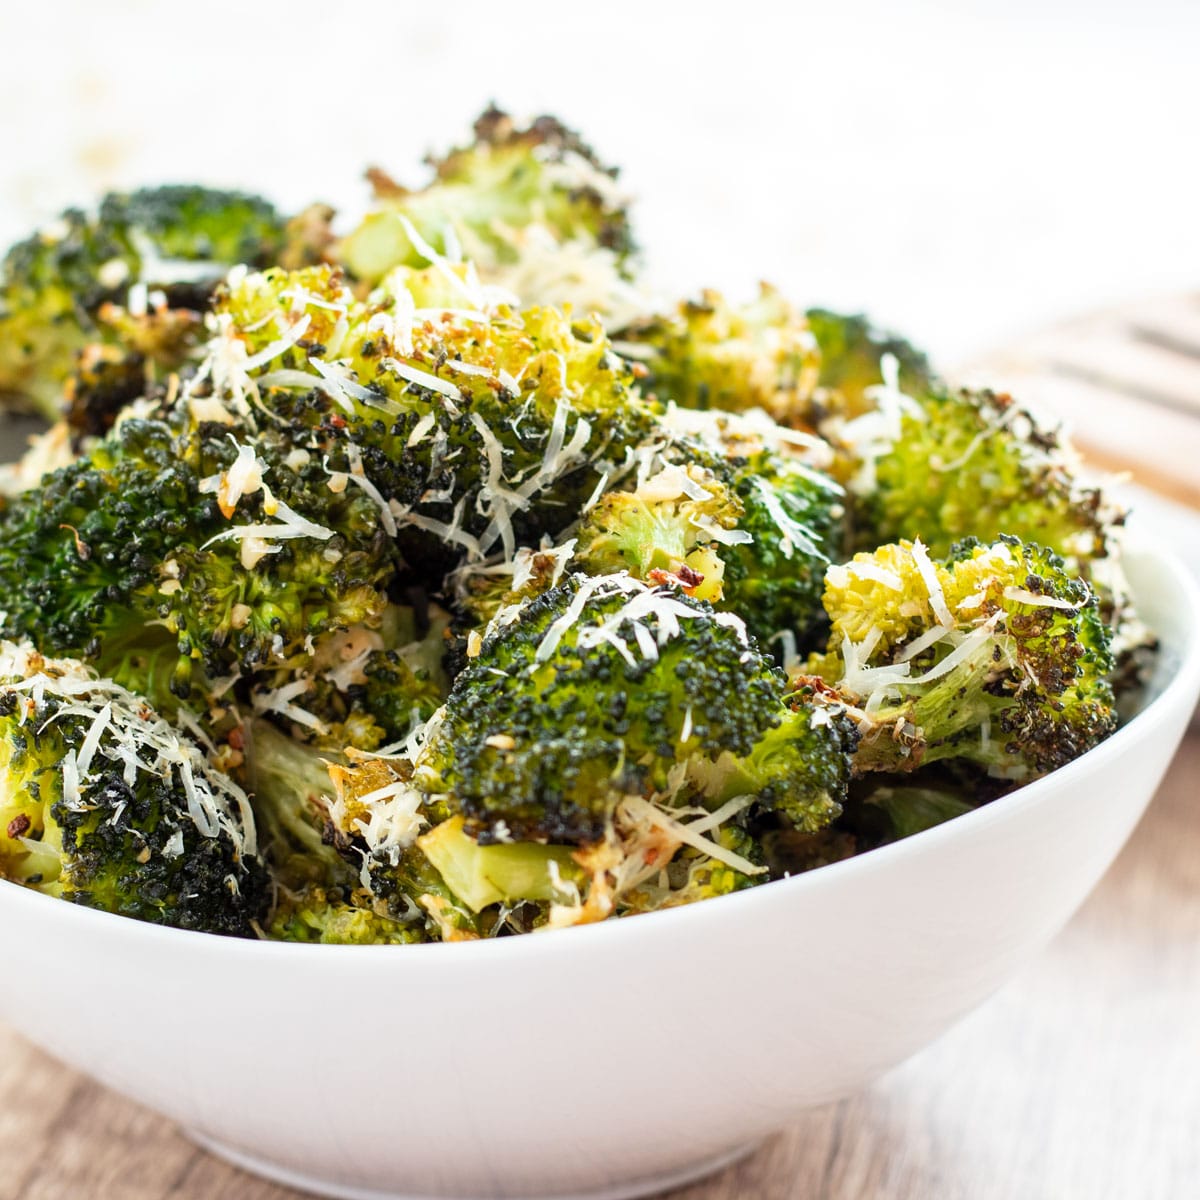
(711, 354)
(944, 465)
(156, 253)
(105, 804)
(400, 599)
(239, 550)
(364, 686)
(750, 532)
(598, 730)
(533, 209)
(340, 918)
(995, 657)
(851, 353)
(472, 430)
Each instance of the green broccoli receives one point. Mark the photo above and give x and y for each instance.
(473, 430)
(533, 208)
(594, 692)
(335, 917)
(945, 465)
(996, 657)
(796, 519)
(59, 288)
(105, 804)
(362, 687)
(711, 354)
(751, 533)
(852, 351)
(239, 550)
(598, 731)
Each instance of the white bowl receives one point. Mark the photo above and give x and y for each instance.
(604, 1061)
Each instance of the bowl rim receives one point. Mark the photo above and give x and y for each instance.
(1184, 680)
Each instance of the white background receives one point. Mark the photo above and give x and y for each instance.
(963, 171)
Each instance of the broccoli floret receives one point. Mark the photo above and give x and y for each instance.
(473, 434)
(750, 535)
(240, 551)
(597, 732)
(362, 687)
(595, 691)
(851, 352)
(103, 803)
(534, 209)
(796, 518)
(958, 464)
(110, 375)
(712, 354)
(996, 657)
(56, 285)
(334, 918)
(669, 526)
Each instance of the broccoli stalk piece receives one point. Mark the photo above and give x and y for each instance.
(288, 782)
(503, 873)
(996, 657)
(103, 803)
(533, 208)
(55, 286)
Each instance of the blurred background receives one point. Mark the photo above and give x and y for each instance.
(969, 173)
(964, 171)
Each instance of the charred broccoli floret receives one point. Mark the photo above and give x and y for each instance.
(59, 288)
(748, 528)
(795, 518)
(533, 208)
(712, 354)
(596, 691)
(945, 465)
(473, 431)
(599, 731)
(335, 917)
(105, 804)
(996, 657)
(362, 687)
(239, 551)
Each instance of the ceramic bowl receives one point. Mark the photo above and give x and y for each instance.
(604, 1061)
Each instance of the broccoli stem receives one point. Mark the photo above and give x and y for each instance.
(921, 729)
(504, 873)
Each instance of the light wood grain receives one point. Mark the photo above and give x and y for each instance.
(1127, 383)
(1078, 1081)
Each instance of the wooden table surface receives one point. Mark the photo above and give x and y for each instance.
(1080, 1080)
